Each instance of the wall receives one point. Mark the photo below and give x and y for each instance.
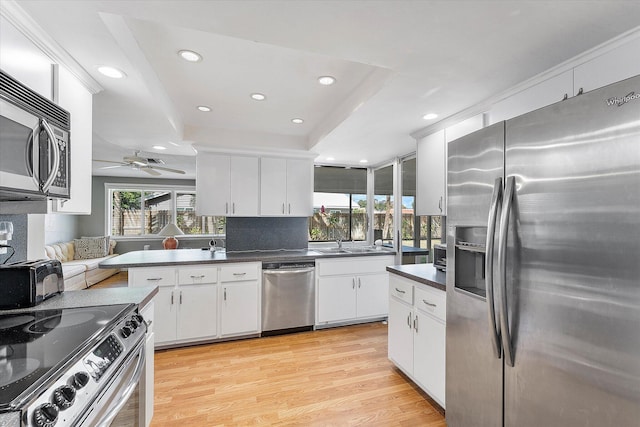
(60, 228)
(19, 240)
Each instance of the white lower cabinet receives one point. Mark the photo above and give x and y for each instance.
(351, 289)
(240, 299)
(417, 331)
(148, 377)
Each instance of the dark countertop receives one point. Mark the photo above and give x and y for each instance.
(95, 297)
(422, 273)
(198, 256)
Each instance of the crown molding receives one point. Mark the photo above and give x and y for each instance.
(12, 12)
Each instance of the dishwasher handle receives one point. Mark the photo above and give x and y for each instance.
(289, 271)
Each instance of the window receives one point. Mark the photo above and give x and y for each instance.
(383, 204)
(143, 210)
(339, 204)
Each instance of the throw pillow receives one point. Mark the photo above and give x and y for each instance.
(91, 247)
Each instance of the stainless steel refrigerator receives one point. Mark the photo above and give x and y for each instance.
(543, 267)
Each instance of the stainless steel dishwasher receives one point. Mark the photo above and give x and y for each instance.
(288, 297)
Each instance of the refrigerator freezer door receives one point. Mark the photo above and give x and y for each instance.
(473, 372)
(573, 259)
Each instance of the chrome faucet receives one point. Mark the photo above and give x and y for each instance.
(339, 242)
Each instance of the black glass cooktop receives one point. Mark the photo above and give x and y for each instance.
(35, 345)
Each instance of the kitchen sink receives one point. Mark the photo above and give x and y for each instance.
(333, 251)
(356, 250)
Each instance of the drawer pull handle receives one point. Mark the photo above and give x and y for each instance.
(154, 279)
(400, 291)
(430, 304)
(197, 277)
(239, 274)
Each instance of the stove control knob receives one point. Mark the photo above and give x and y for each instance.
(45, 415)
(125, 331)
(64, 397)
(138, 318)
(79, 380)
(132, 324)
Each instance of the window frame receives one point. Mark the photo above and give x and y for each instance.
(110, 187)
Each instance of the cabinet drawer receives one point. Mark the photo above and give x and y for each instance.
(401, 288)
(197, 275)
(152, 277)
(239, 272)
(431, 301)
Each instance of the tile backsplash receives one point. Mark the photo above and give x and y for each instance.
(19, 240)
(266, 233)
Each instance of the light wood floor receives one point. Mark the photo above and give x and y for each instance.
(332, 377)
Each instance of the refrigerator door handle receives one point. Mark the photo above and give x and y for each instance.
(488, 267)
(502, 270)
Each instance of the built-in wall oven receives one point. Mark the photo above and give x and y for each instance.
(34, 144)
(69, 367)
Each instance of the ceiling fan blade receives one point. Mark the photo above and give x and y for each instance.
(166, 169)
(150, 171)
(112, 167)
(108, 161)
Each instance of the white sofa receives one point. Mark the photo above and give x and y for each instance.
(79, 273)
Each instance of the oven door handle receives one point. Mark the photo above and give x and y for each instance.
(128, 390)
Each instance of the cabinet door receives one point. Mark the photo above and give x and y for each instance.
(23, 60)
(336, 298)
(165, 315)
(213, 184)
(147, 382)
(373, 295)
(273, 186)
(429, 355)
(76, 99)
(401, 335)
(431, 183)
(244, 186)
(299, 187)
(197, 317)
(613, 66)
(239, 308)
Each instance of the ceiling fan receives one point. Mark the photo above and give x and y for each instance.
(145, 164)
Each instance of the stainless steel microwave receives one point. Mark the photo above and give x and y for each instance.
(34, 144)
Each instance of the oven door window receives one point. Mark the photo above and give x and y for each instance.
(17, 157)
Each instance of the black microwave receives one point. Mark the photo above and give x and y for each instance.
(35, 152)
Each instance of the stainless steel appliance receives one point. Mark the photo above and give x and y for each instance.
(543, 266)
(69, 367)
(28, 283)
(288, 296)
(34, 144)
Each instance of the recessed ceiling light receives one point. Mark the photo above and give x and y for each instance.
(190, 56)
(159, 147)
(326, 80)
(297, 121)
(258, 96)
(430, 116)
(112, 72)
(204, 108)
(330, 159)
(364, 161)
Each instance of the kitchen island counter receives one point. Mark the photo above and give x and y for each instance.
(95, 297)
(159, 258)
(421, 273)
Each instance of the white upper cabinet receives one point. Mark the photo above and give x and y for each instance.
(23, 61)
(226, 185)
(610, 67)
(286, 187)
(75, 98)
(544, 93)
(431, 172)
